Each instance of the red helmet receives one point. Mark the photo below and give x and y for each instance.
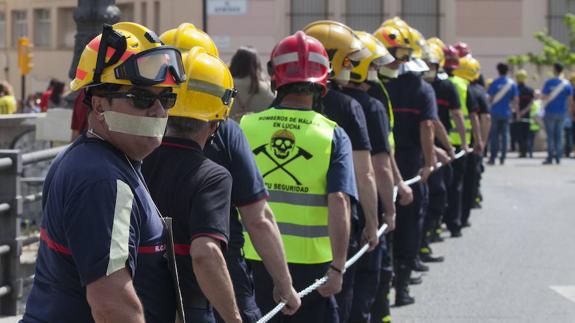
(300, 58)
(462, 49)
(451, 57)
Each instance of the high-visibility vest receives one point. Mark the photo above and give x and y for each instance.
(390, 116)
(535, 106)
(461, 85)
(292, 149)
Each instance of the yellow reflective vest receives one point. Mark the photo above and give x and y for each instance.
(292, 149)
(389, 107)
(461, 85)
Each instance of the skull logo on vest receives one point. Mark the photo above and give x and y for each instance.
(282, 143)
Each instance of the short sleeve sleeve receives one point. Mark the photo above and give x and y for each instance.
(491, 89)
(340, 175)
(99, 226)
(453, 96)
(471, 101)
(428, 103)
(377, 128)
(211, 204)
(357, 129)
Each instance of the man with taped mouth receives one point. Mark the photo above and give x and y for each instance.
(103, 242)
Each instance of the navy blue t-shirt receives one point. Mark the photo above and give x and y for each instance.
(230, 149)
(376, 119)
(349, 115)
(195, 192)
(526, 95)
(98, 218)
(413, 102)
(447, 99)
(480, 95)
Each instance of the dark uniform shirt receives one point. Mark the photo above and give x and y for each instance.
(447, 99)
(376, 90)
(98, 218)
(480, 96)
(413, 102)
(526, 95)
(230, 149)
(349, 115)
(376, 119)
(195, 192)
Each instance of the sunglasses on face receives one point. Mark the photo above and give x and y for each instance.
(145, 100)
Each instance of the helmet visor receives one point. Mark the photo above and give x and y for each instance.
(152, 67)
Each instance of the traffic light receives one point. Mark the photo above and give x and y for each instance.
(25, 55)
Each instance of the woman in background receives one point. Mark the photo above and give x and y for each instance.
(254, 92)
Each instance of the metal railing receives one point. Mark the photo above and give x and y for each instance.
(11, 216)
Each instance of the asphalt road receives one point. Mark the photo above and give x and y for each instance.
(521, 245)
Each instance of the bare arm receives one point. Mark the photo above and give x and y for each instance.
(258, 218)
(338, 226)
(427, 138)
(404, 191)
(476, 128)
(113, 299)
(457, 117)
(443, 137)
(367, 190)
(213, 277)
(384, 180)
(485, 119)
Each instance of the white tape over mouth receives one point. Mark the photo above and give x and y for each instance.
(135, 125)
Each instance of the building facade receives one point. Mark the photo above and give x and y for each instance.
(494, 29)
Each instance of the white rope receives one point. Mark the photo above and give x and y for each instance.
(355, 257)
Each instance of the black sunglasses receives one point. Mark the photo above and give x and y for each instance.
(145, 100)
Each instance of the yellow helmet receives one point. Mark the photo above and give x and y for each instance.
(468, 68)
(436, 41)
(433, 53)
(395, 22)
(187, 36)
(521, 75)
(379, 56)
(208, 92)
(341, 44)
(396, 41)
(129, 54)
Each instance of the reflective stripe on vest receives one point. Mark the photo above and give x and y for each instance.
(461, 85)
(292, 149)
(390, 137)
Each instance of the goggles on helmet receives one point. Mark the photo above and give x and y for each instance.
(226, 95)
(401, 53)
(144, 100)
(151, 67)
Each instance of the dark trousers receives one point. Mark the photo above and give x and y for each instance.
(498, 137)
(530, 142)
(380, 307)
(409, 221)
(454, 194)
(314, 308)
(367, 277)
(470, 186)
(523, 137)
(514, 134)
(344, 298)
(437, 187)
(242, 280)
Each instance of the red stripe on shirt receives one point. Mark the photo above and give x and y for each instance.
(184, 249)
(407, 110)
(152, 249)
(443, 103)
(53, 244)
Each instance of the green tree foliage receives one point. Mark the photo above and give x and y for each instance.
(554, 51)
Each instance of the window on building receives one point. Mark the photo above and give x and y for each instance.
(557, 11)
(19, 26)
(2, 29)
(126, 11)
(366, 15)
(42, 28)
(422, 15)
(66, 28)
(305, 11)
(144, 10)
(157, 15)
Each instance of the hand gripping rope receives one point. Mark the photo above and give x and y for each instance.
(355, 257)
